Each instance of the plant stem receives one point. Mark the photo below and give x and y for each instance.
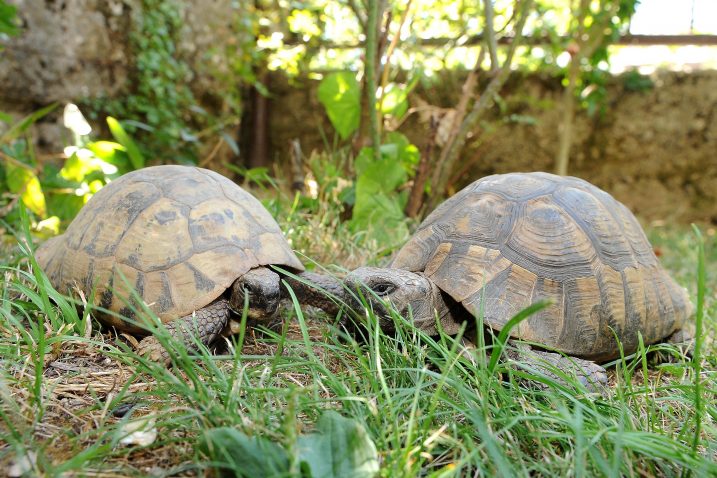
(370, 69)
(697, 352)
(490, 32)
(450, 154)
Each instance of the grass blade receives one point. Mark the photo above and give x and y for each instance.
(500, 342)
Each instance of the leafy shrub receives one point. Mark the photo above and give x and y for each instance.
(377, 198)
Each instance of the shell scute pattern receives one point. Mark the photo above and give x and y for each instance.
(546, 239)
(137, 249)
(176, 236)
(506, 241)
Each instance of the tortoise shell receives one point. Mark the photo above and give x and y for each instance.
(179, 236)
(507, 241)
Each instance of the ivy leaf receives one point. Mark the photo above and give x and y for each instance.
(24, 182)
(341, 96)
(340, 448)
(124, 139)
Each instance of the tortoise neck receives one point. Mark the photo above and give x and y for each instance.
(318, 290)
(443, 307)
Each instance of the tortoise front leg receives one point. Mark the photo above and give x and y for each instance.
(204, 325)
(590, 374)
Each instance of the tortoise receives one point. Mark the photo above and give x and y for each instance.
(509, 240)
(191, 244)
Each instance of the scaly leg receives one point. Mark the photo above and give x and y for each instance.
(205, 325)
(590, 374)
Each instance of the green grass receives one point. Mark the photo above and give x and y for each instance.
(430, 410)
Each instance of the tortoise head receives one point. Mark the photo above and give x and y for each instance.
(412, 295)
(263, 288)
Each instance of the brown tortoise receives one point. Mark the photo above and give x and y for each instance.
(189, 241)
(507, 241)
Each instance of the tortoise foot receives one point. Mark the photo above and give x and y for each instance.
(202, 326)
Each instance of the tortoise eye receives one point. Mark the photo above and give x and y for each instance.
(383, 288)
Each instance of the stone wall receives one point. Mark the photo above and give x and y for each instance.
(655, 149)
(70, 50)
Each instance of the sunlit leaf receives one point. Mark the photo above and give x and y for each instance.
(95, 185)
(341, 96)
(395, 101)
(105, 150)
(51, 225)
(76, 168)
(112, 153)
(24, 182)
(403, 150)
(135, 156)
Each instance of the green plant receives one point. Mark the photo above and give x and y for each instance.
(52, 192)
(340, 94)
(160, 109)
(378, 198)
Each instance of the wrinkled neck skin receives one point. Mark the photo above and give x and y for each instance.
(316, 290)
(424, 311)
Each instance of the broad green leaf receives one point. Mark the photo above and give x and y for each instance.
(380, 216)
(378, 207)
(405, 152)
(340, 94)
(383, 175)
(18, 128)
(250, 457)
(135, 156)
(340, 448)
(24, 182)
